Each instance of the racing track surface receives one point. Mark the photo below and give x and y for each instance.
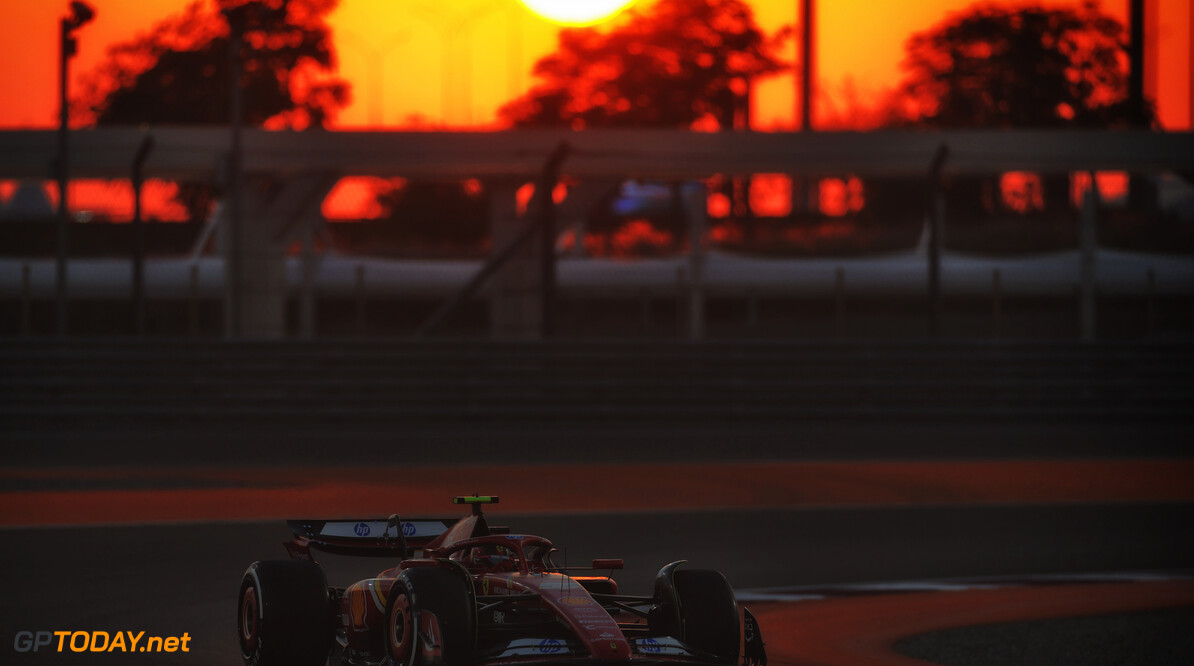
(170, 578)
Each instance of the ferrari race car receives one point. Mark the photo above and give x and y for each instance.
(464, 592)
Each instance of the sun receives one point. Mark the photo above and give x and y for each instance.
(577, 12)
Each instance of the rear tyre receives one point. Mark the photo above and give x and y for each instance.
(447, 595)
(708, 613)
(283, 614)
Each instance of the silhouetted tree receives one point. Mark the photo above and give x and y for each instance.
(1023, 67)
(1020, 67)
(178, 73)
(673, 64)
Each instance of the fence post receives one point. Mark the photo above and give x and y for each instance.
(936, 205)
(644, 307)
(307, 289)
(360, 299)
(547, 240)
(545, 226)
(997, 302)
(1088, 243)
(695, 207)
(139, 236)
(26, 302)
(681, 288)
(1151, 321)
(193, 302)
(839, 302)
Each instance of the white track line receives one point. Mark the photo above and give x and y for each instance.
(815, 592)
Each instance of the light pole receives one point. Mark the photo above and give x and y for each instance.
(375, 58)
(807, 55)
(80, 14)
(450, 29)
(809, 190)
(232, 262)
(514, 56)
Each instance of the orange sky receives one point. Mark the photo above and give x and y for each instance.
(487, 49)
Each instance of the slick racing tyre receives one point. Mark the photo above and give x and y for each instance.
(283, 615)
(419, 595)
(708, 613)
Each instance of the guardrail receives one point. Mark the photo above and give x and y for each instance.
(50, 383)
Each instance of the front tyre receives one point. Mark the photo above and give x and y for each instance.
(283, 616)
(419, 595)
(708, 613)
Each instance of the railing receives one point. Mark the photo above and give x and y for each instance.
(48, 383)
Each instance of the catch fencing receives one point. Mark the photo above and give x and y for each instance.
(77, 383)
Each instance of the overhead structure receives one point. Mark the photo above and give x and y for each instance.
(200, 153)
(297, 169)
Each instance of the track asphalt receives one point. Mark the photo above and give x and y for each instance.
(810, 521)
(863, 631)
(90, 495)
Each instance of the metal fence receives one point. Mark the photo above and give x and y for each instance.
(49, 384)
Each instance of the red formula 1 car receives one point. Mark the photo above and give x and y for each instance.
(467, 593)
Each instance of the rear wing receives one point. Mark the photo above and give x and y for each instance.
(368, 537)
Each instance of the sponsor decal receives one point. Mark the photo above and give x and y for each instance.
(576, 601)
(413, 528)
(99, 641)
(524, 647)
(662, 645)
(351, 529)
(499, 617)
(377, 528)
(484, 586)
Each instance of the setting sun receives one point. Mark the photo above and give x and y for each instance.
(576, 12)
(451, 65)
